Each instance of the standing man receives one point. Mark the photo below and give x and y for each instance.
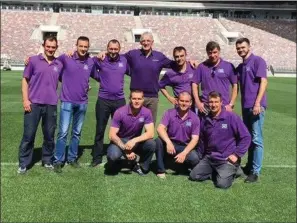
(126, 138)
(252, 75)
(178, 135)
(74, 101)
(179, 78)
(40, 98)
(225, 141)
(145, 68)
(215, 74)
(111, 93)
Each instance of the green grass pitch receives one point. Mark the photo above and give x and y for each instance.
(87, 195)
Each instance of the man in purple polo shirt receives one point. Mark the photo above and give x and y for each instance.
(252, 74)
(225, 140)
(179, 78)
(39, 85)
(111, 93)
(214, 74)
(126, 138)
(74, 100)
(145, 68)
(178, 135)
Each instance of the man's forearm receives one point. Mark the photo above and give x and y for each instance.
(25, 90)
(196, 93)
(190, 146)
(143, 137)
(117, 140)
(163, 135)
(165, 93)
(234, 94)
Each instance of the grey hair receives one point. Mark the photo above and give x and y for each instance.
(146, 33)
(185, 93)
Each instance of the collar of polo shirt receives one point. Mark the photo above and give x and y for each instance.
(248, 59)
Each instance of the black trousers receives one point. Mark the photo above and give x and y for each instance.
(48, 114)
(104, 109)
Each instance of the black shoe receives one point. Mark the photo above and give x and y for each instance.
(239, 172)
(246, 170)
(252, 178)
(137, 169)
(94, 163)
(58, 168)
(74, 164)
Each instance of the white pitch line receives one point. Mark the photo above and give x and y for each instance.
(87, 164)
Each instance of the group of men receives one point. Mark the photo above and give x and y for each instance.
(209, 142)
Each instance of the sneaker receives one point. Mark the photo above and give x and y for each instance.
(58, 168)
(239, 173)
(137, 169)
(74, 164)
(48, 166)
(94, 163)
(252, 178)
(161, 175)
(22, 170)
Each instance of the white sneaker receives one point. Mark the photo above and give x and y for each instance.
(22, 170)
(49, 166)
(161, 175)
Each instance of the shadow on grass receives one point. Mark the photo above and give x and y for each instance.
(37, 153)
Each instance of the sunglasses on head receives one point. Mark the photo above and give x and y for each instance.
(213, 72)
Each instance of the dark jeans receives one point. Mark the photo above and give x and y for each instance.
(104, 109)
(144, 149)
(192, 158)
(48, 114)
(221, 171)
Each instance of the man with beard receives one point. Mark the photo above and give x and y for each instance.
(252, 74)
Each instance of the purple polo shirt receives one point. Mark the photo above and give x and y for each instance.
(111, 74)
(249, 74)
(131, 126)
(43, 80)
(218, 78)
(179, 130)
(75, 78)
(145, 71)
(180, 82)
(224, 135)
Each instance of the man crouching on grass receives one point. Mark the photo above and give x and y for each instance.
(126, 138)
(225, 140)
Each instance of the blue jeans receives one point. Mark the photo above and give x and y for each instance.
(48, 114)
(192, 158)
(254, 123)
(68, 111)
(144, 149)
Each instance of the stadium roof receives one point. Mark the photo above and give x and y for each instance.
(175, 4)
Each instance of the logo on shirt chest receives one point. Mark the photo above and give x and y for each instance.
(121, 65)
(188, 123)
(247, 69)
(155, 60)
(221, 70)
(190, 75)
(86, 67)
(56, 69)
(224, 126)
(141, 119)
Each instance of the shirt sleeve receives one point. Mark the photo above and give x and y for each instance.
(62, 58)
(242, 135)
(116, 120)
(165, 119)
(94, 73)
(197, 75)
(166, 62)
(260, 68)
(148, 118)
(28, 71)
(232, 75)
(196, 126)
(164, 81)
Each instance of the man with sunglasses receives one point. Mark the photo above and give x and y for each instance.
(214, 74)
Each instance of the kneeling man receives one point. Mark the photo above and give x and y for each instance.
(126, 138)
(225, 140)
(178, 134)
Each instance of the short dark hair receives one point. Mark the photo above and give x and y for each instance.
(185, 93)
(135, 91)
(113, 41)
(242, 40)
(179, 48)
(215, 94)
(51, 39)
(210, 46)
(83, 38)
